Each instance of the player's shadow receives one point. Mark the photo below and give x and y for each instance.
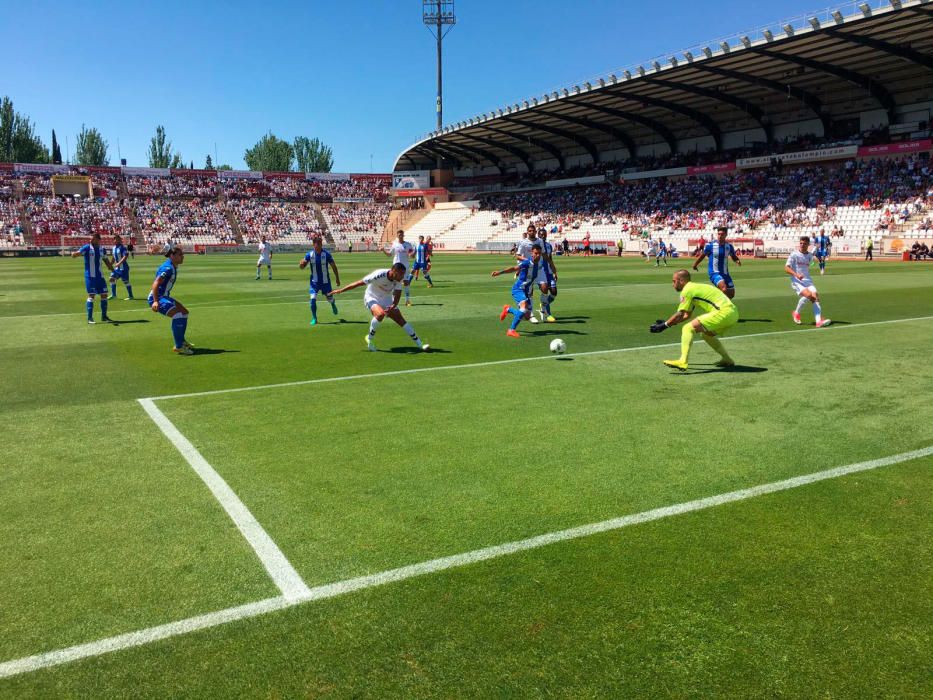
(756, 320)
(211, 351)
(554, 331)
(568, 319)
(132, 320)
(424, 303)
(412, 350)
(735, 369)
(342, 321)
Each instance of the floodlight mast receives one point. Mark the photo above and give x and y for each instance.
(438, 16)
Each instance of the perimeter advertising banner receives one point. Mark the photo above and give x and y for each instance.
(41, 168)
(147, 172)
(896, 148)
(411, 180)
(239, 174)
(833, 153)
(327, 177)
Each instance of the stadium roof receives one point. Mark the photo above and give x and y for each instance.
(827, 66)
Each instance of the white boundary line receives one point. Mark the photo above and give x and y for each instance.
(492, 363)
(281, 571)
(251, 610)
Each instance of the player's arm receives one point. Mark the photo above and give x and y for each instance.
(304, 263)
(108, 264)
(660, 325)
(117, 263)
(154, 291)
(550, 262)
(333, 266)
(700, 258)
(352, 285)
(789, 270)
(514, 268)
(735, 258)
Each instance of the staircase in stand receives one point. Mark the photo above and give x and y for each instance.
(319, 215)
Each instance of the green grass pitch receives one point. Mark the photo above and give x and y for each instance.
(819, 591)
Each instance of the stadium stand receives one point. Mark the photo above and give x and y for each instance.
(361, 224)
(191, 221)
(56, 217)
(280, 222)
(11, 229)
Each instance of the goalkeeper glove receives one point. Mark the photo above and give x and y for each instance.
(659, 326)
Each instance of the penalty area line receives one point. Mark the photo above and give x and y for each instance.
(281, 571)
(251, 610)
(515, 360)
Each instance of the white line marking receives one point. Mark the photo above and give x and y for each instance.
(279, 568)
(536, 358)
(173, 629)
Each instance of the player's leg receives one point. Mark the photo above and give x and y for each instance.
(101, 289)
(427, 274)
(802, 299)
(377, 309)
(327, 289)
(313, 304)
(396, 316)
(714, 327)
(406, 285)
(552, 295)
(113, 285)
(258, 267)
(269, 268)
(817, 308)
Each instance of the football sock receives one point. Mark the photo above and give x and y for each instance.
(407, 292)
(113, 290)
(270, 271)
(817, 311)
(800, 303)
(517, 315)
(129, 291)
(373, 325)
(686, 339)
(411, 331)
(90, 308)
(103, 307)
(427, 278)
(716, 345)
(314, 308)
(178, 329)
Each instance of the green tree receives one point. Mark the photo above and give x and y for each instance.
(19, 142)
(270, 154)
(208, 163)
(160, 149)
(312, 155)
(224, 167)
(90, 148)
(56, 150)
(177, 163)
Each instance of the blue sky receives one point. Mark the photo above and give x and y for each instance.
(359, 75)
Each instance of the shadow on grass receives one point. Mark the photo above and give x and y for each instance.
(412, 350)
(567, 319)
(736, 369)
(424, 303)
(341, 321)
(211, 351)
(756, 320)
(553, 331)
(115, 322)
(564, 359)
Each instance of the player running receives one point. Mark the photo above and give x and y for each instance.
(547, 278)
(822, 244)
(652, 252)
(400, 252)
(265, 257)
(798, 267)
(94, 282)
(719, 252)
(718, 315)
(527, 270)
(320, 260)
(160, 301)
(662, 253)
(120, 269)
(383, 292)
(421, 263)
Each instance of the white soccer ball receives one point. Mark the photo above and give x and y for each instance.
(558, 346)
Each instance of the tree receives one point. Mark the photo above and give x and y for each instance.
(191, 167)
(312, 155)
(208, 163)
(18, 140)
(270, 154)
(177, 163)
(56, 150)
(90, 148)
(224, 167)
(160, 149)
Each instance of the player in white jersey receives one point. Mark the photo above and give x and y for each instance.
(523, 250)
(798, 267)
(652, 252)
(383, 292)
(265, 257)
(401, 252)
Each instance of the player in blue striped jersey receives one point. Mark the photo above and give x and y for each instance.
(547, 278)
(320, 260)
(527, 269)
(161, 301)
(94, 282)
(822, 244)
(421, 263)
(719, 252)
(121, 269)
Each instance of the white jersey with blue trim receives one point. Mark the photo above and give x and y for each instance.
(318, 263)
(92, 259)
(401, 252)
(166, 274)
(718, 256)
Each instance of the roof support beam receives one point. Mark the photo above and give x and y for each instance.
(613, 131)
(517, 152)
(432, 151)
(471, 153)
(754, 111)
(652, 124)
(904, 52)
(581, 141)
(876, 90)
(700, 118)
(807, 98)
(543, 145)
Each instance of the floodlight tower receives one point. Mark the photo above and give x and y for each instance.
(438, 16)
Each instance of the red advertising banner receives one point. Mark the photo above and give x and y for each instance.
(283, 176)
(372, 176)
(713, 168)
(6, 166)
(107, 169)
(194, 173)
(432, 192)
(895, 148)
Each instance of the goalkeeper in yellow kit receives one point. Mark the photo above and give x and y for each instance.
(717, 314)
